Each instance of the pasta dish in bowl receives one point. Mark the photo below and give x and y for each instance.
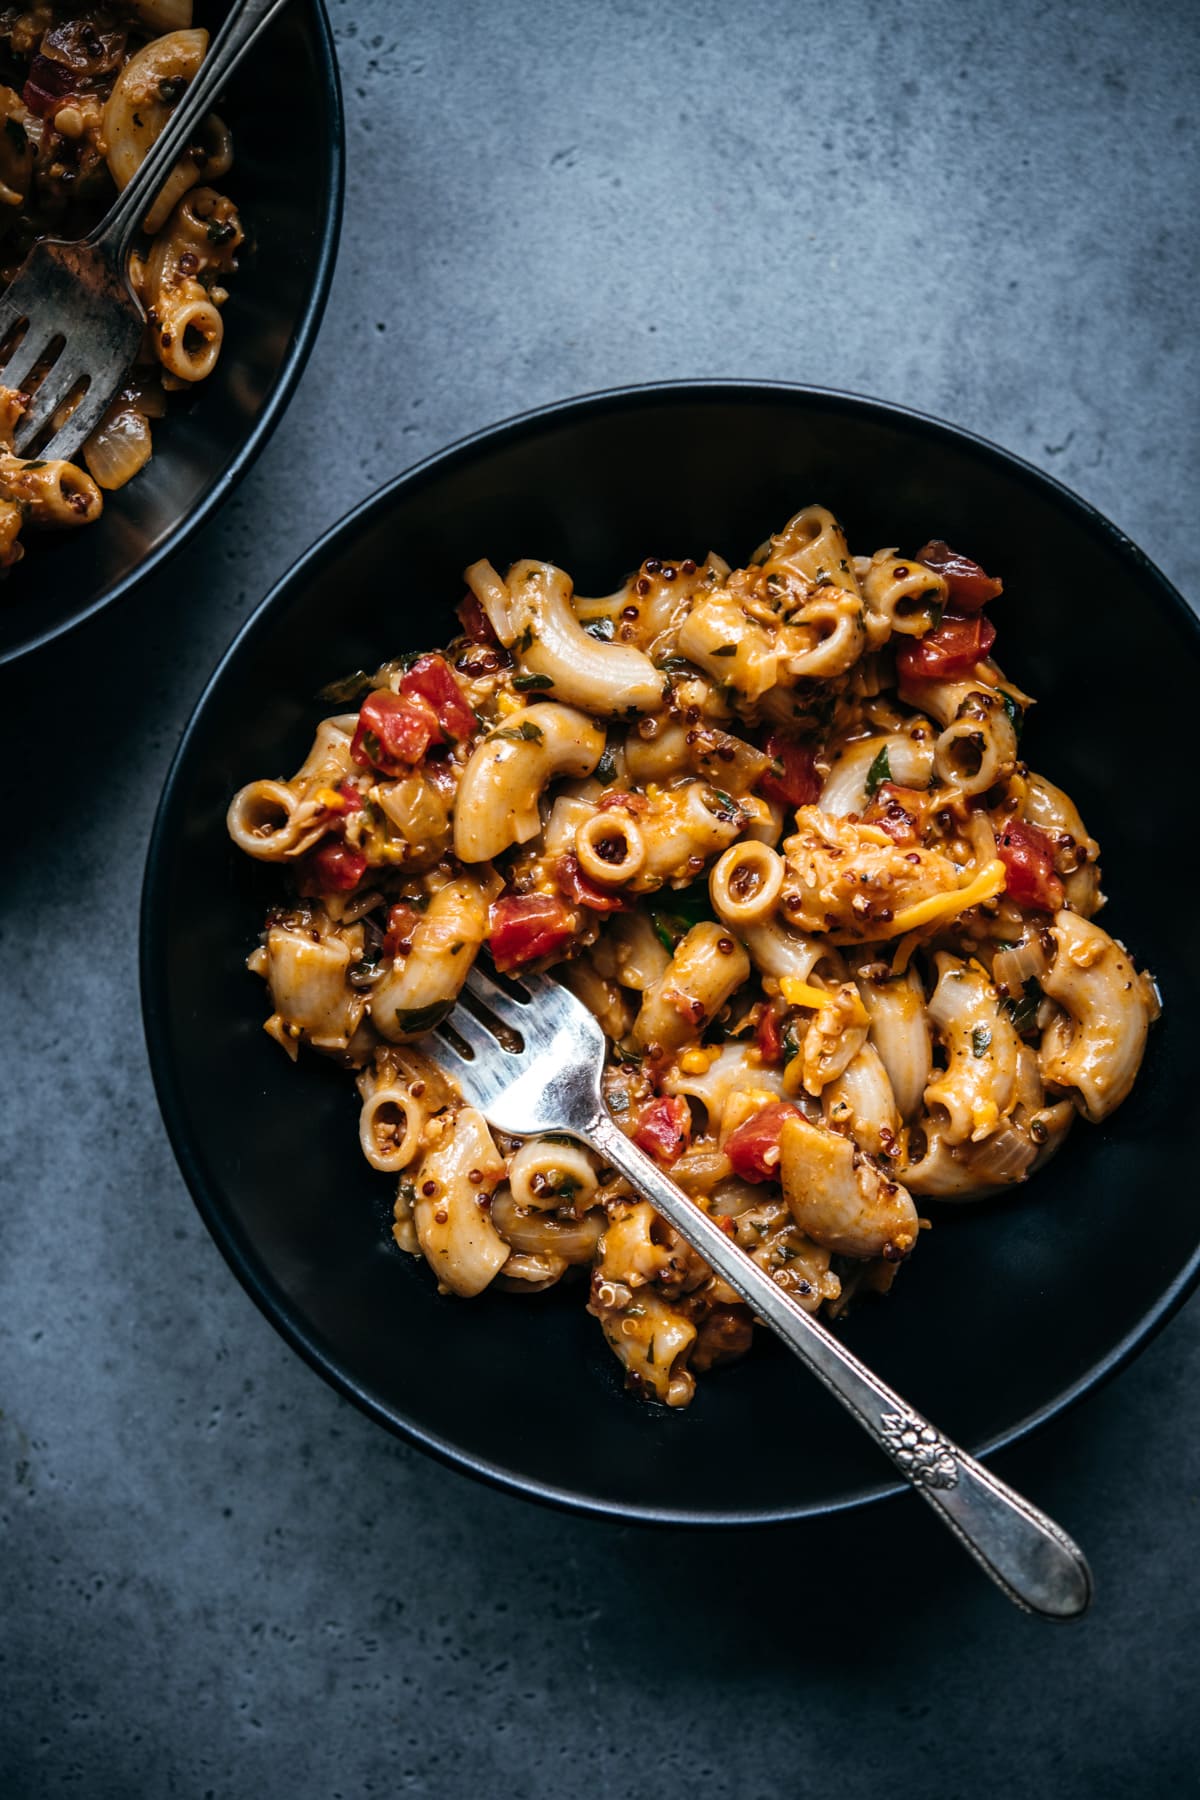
(805, 1054)
(773, 826)
(230, 268)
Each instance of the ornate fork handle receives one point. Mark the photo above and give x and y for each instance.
(1026, 1554)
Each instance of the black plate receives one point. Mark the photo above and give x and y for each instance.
(285, 110)
(1010, 1311)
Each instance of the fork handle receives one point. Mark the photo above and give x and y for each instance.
(241, 27)
(1028, 1556)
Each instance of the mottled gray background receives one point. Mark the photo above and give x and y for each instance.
(217, 1578)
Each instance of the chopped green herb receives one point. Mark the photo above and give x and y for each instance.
(606, 768)
(523, 683)
(601, 629)
(1022, 1008)
(879, 772)
(523, 642)
(347, 688)
(981, 1038)
(524, 733)
(455, 948)
(676, 665)
(650, 1354)
(728, 809)
(219, 231)
(618, 1102)
(687, 907)
(725, 650)
(1015, 712)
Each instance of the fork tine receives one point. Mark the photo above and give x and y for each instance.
(50, 395)
(472, 1032)
(20, 364)
(71, 436)
(450, 1061)
(544, 988)
(513, 1013)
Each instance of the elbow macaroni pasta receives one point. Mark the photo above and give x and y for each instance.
(774, 827)
(96, 86)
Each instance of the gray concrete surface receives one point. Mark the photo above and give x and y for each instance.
(219, 1580)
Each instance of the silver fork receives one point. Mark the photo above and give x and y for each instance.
(548, 1079)
(74, 298)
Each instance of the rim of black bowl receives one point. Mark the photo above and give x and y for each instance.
(237, 1252)
(290, 371)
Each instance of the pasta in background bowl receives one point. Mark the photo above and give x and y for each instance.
(232, 269)
(1013, 1306)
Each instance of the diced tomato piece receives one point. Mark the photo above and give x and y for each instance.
(394, 731)
(665, 1128)
(402, 921)
(768, 1036)
(431, 679)
(753, 1148)
(950, 651)
(349, 800)
(1028, 858)
(969, 587)
(524, 927)
(48, 85)
(794, 780)
(333, 868)
(896, 810)
(475, 622)
(582, 890)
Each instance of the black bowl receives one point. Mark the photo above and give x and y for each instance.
(284, 107)
(1010, 1311)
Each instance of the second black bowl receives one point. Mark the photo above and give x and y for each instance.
(1010, 1310)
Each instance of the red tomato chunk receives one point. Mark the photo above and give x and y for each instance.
(947, 653)
(334, 868)
(794, 781)
(1028, 858)
(665, 1128)
(524, 927)
(753, 1148)
(582, 890)
(430, 678)
(969, 587)
(394, 731)
(768, 1037)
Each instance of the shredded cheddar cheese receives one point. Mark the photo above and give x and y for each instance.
(904, 950)
(801, 993)
(984, 886)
